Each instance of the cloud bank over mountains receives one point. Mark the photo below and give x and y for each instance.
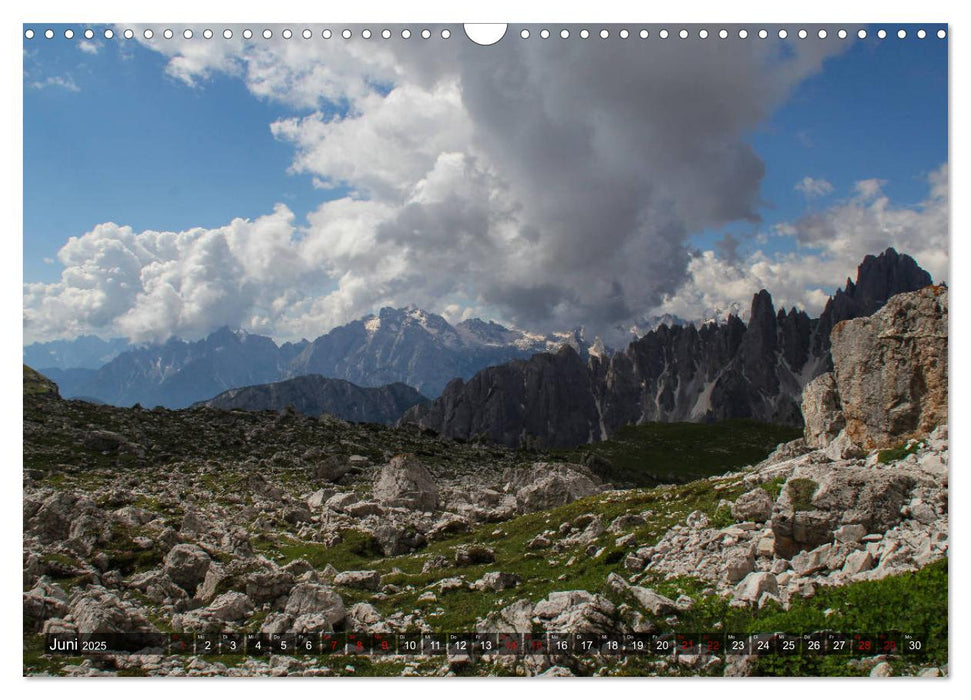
(549, 184)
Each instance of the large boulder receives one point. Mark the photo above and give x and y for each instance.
(890, 371)
(544, 485)
(307, 598)
(187, 564)
(405, 483)
(267, 584)
(365, 580)
(576, 612)
(514, 618)
(97, 610)
(395, 539)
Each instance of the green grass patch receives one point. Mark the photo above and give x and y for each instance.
(894, 454)
(643, 455)
(801, 492)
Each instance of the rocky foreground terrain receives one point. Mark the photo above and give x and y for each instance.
(213, 521)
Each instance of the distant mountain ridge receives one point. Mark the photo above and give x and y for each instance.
(313, 395)
(84, 352)
(673, 373)
(406, 345)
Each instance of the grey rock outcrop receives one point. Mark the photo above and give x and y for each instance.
(891, 369)
(889, 378)
(821, 411)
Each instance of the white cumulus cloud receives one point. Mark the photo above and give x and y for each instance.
(551, 184)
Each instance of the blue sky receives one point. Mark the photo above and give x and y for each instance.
(877, 111)
(116, 135)
(137, 147)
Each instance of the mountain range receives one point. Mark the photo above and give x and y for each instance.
(672, 373)
(406, 345)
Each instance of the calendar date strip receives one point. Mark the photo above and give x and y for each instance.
(487, 644)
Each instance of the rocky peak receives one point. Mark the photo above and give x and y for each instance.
(889, 381)
(878, 278)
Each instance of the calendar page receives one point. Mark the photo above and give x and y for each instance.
(440, 350)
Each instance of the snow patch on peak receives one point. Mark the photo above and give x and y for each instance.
(372, 324)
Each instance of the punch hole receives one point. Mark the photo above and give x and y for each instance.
(89, 34)
(29, 34)
(129, 34)
(488, 34)
(227, 34)
(207, 34)
(68, 33)
(168, 33)
(187, 34)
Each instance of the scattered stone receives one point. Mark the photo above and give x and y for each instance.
(753, 586)
(497, 581)
(755, 505)
(470, 554)
(366, 580)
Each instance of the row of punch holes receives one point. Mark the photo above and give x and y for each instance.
(149, 34)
